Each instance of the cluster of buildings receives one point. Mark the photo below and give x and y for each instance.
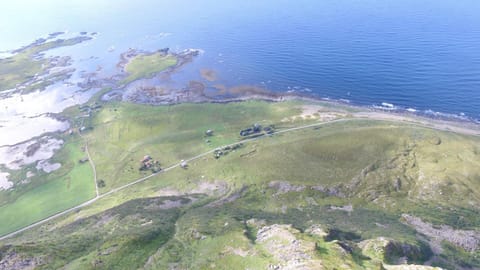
(257, 129)
(148, 163)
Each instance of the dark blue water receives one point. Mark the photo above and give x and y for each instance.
(421, 54)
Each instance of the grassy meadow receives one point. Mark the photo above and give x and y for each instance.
(127, 132)
(60, 190)
(145, 66)
(353, 179)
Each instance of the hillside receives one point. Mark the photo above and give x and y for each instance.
(318, 187)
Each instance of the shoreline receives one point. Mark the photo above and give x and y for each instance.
(464, 127)
(448, 125)
(247, 93)
(208, 90)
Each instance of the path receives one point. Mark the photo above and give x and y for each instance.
(93, 169)
(90, 161)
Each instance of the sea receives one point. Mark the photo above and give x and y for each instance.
(417, 55)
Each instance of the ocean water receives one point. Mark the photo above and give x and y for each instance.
(418, 54)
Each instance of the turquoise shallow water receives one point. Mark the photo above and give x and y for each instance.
(419, 54)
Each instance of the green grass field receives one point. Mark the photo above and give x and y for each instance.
(145, 66)
(332, 155)
(169, 133)
(66, 188)
(381, 169)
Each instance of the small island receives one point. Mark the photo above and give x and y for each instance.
(143, 65)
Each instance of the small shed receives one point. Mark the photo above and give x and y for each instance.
(183, 164)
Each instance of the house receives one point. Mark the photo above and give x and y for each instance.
(246, 132)
(147, 163)
(146, 158)
(256, 128)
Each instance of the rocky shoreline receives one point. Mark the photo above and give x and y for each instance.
(53, 69)
(151, 92)
(184, 57)
(197, 92)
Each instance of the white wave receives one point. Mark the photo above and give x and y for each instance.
(388, 105)
(460, 116)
